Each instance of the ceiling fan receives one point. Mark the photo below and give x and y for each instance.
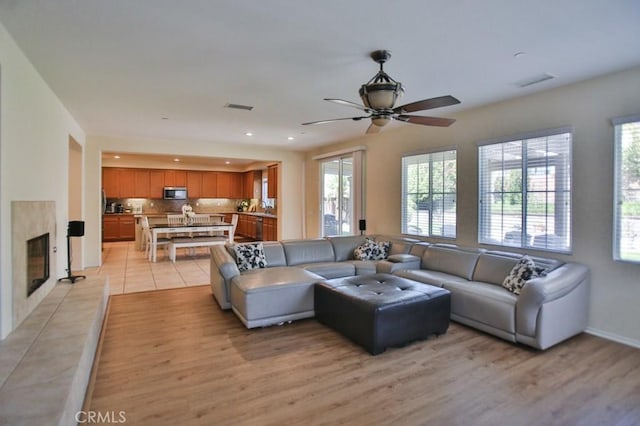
(379, 96)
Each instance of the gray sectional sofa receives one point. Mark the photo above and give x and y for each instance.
(548, 310)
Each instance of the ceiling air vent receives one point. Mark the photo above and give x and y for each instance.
(534, 80)
(238, 106)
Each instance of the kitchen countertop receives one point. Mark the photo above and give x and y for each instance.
(164, 214)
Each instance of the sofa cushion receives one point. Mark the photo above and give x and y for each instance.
(429, 277)
(450, 260)
(521, 272)
(399, 245)
(300, 252)
(372, 250)
(484, 303)
(364, 267)
(493, 269)
(343, 246)
(330, 270)
(250, 256)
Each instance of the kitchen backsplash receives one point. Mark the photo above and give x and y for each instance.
(199, 205)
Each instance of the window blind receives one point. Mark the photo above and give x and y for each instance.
(626, 240)
(429, 190)
(525, 192)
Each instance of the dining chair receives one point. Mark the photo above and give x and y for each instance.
(148, 238)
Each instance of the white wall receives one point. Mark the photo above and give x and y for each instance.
(34, 142)
(290, 197)
(588, 108)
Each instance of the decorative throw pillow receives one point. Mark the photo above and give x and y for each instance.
(522, 272)
(250, 256)
(372, 250)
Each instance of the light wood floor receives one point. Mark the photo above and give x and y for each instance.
(173, 357)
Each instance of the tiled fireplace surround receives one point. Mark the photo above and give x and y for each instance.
(30, 219)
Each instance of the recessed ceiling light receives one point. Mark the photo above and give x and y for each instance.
(116, 156)
(249, 134)
(227, 162)
(290, 138)
(176, 160)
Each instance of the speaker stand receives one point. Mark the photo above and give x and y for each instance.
(72, 278)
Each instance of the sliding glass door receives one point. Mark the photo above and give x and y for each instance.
(338, 196)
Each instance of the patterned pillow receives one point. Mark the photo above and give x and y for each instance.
(522, 272)
(250, 256)
(371, 250)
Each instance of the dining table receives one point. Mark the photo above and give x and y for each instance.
(165, 228)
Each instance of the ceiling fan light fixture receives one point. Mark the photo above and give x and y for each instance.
(381, 120)
(380, 95)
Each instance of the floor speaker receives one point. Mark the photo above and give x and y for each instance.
(74, 229)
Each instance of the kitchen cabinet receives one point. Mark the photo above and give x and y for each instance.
(126, 183)
(251, 231)
(269, 229)
(209, 185)
(110, 182)
(194, 184)
(118, 228)
(156, 184)
(229, 185)
(252, 187)
(272, 181)
(141, 183)
(175, 178)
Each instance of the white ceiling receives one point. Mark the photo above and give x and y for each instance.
(121, 66)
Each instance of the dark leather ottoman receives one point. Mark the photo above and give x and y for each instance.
(381, 310)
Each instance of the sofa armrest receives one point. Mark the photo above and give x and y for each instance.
(397, 262)
(539, 291)
(223, 270)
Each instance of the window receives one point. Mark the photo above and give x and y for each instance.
(627, 189)
(525, 191)
(429, 194)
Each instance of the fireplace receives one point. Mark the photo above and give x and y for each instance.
(37, 262)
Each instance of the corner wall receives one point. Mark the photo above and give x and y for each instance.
(34, 160)
(587, 107)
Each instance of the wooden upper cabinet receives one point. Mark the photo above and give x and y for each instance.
(209, 185)
(236, 185)
(252, 184)
(126, 183)
(110, 182)
(194, 184)
(272, 181)
(156, 184)
(229, 185)
(141, 183)
(175, 178)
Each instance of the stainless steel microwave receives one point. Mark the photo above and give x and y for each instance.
(175, 193)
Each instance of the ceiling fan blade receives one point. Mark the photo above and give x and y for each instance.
(425, 104)
(373, 129)
(426, 121)
(348, 103)
(332, 120)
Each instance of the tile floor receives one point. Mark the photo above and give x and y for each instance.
(129, 270)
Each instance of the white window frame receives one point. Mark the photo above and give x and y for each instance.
(522, 235)
(625, 249)
(446, 205)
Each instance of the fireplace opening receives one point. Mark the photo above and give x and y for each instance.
(37, 262)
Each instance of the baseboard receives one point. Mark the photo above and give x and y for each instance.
(615, 337)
